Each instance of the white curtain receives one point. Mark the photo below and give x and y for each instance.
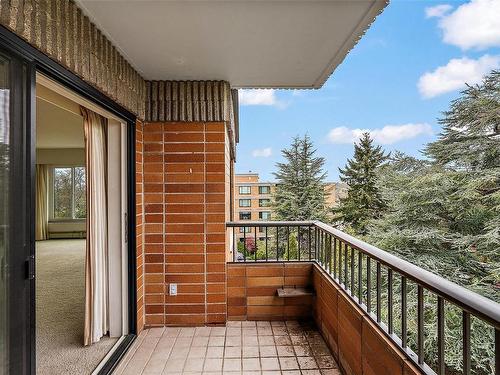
(42, 216)
(96, 259)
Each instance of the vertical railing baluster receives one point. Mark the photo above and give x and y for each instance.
(288, 242)
(440, 336)
(244, 244)
(298, 243)
(346, 280)
(352, 271)
(360, 277)
(235, 245)
(466, 343)
(315, 243)
(267, 252)
(255, 244)
(320, 248)
(335, 242)
(420, 324)
(324, 248)
(309, 242)
(497, 351)
(379, 290)
(330, 252)
(389, 302)
(277, 243)
(368, 284)
(340, 262)
(404, 314)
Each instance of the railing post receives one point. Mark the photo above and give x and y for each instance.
(497, 351)
(309, 242)
(420, 324)
(277, 243)
(340, 262)
(440, 331)
(244, 244)
(267, 252)
(368, 284)
(352, 271)
(389, 302)
(379, 297)
(235, 245)
(404, 314)
(298, 243)
(255, 243)
(335, 257)
(466, 343)
(360, 277)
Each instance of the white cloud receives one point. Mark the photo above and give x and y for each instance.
(437, 11)
(387, 135)
(260, 97)
(455, 74)
(472, 25)
(262, 152)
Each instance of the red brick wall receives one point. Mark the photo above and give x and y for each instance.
(184, 222)
(358, 345)
(251, 291)
(139, 224)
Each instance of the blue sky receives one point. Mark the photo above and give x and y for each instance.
(395, 83)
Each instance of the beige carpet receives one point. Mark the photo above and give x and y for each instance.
(60, 301)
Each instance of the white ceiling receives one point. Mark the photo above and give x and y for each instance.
(250, 43)
(58, 122)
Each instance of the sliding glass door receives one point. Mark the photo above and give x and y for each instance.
(16, 263)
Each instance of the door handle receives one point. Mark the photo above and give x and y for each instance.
(30, 267)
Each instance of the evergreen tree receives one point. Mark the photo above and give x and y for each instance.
(363, 201)
(300, 191)
(470, 137)
(443, 213)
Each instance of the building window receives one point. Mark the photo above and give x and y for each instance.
(245, 202)
(265, 215)
(262, 229)
(245, 190)
(264, 189)
(245, 215)
(245, 229)
(69, 193)
(264, 202)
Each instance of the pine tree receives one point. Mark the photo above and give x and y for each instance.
(300, 191)
(363, 201)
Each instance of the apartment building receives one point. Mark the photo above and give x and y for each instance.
(252, 201)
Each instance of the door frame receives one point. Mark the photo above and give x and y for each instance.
(39, 62)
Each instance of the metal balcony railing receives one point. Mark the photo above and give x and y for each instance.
(370, 277)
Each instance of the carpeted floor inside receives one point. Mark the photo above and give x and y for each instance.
(60, 302)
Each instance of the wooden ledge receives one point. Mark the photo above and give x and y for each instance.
(293, 292)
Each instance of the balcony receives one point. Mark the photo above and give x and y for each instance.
(377, 313)
(310, 299)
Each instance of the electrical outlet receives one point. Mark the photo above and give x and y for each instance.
(173, 289)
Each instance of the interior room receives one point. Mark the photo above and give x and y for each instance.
(80, 239)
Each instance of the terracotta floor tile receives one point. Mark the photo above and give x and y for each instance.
(270, 363)
(240, 348)
(232, 352)
(307, 363)
(251, 364)
(288, 363)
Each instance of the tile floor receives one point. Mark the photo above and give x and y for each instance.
(264, 348)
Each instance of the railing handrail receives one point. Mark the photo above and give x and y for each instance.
(261, 223)
(482, 307)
